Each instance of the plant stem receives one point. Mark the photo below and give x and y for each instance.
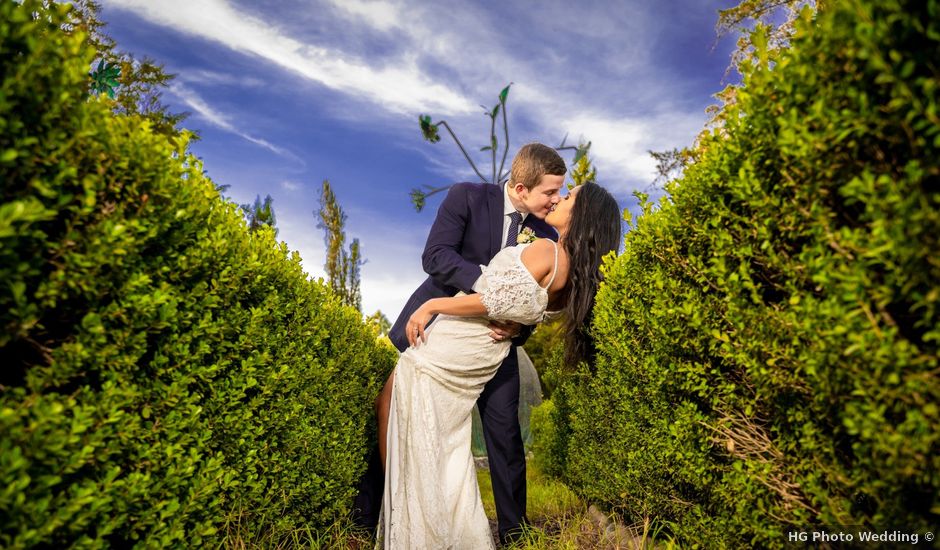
(462, 150)
(505, 145)
(492, 148)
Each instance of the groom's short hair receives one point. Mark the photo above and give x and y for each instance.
(532, 162)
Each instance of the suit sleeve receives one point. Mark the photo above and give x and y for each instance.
(523, 335)
(441, 258)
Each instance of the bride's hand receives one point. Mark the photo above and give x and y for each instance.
(414, 330)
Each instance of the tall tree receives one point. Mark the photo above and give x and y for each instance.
(342, 267)
(260, 214)
(351, 269)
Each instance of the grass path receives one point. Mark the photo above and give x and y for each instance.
(561, 520)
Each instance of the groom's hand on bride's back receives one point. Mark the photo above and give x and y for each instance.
(504, 330)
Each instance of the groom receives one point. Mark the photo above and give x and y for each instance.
(474, 222)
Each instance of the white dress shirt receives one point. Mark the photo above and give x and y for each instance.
(508, 209)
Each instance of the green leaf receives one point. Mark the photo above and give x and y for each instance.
(580, 152)
(504, 93)
(418, 199)
(428, 130)
(105, 78)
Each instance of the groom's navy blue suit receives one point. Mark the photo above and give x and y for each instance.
(468, 232)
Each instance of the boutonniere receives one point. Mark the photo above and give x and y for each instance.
(527, 235)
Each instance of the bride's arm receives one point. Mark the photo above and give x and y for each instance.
(538, 258)
(461, 306)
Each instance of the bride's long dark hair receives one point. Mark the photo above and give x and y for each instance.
(593, 231)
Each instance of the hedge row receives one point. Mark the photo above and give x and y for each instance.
(769, 338)
(168, 376)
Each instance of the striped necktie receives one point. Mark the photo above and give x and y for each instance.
(514, 220)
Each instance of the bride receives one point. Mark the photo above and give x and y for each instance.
(431, 499)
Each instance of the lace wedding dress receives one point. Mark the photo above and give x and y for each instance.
(431, 499)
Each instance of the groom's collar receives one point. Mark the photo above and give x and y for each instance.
(508, 208)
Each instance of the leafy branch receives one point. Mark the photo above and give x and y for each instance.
(763, 28)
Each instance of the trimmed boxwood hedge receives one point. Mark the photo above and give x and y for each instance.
(166, 373)
(769, 338)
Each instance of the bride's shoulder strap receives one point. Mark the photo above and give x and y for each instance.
(554, 267)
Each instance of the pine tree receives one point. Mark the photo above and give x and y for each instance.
(260, 214)
(342, 267)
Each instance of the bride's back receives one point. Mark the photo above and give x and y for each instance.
(540, 259)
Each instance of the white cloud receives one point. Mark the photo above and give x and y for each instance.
(379, 15)
(619, 144)
(553, 92)
(205, 111)
(401, 87)
(204, 77)
(577, 69)
(388, 292)
(392, 270)
(620, 147)
(623, 123)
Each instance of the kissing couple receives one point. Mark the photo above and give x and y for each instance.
(457, 334)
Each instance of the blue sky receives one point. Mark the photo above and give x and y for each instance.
(288, 93)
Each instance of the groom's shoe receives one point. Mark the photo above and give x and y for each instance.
(515, 535)
(511, 540)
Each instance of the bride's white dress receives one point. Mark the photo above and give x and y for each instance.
(431, 499)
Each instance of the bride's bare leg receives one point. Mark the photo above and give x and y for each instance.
(382, 404)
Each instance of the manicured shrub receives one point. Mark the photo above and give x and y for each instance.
(549, 433)
(166, 373)
(768, 340)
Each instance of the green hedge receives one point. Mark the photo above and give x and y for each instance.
(769, 338)
(169, 378)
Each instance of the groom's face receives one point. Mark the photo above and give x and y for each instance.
(540, 199)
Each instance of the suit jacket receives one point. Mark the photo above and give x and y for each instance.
(467, 232)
